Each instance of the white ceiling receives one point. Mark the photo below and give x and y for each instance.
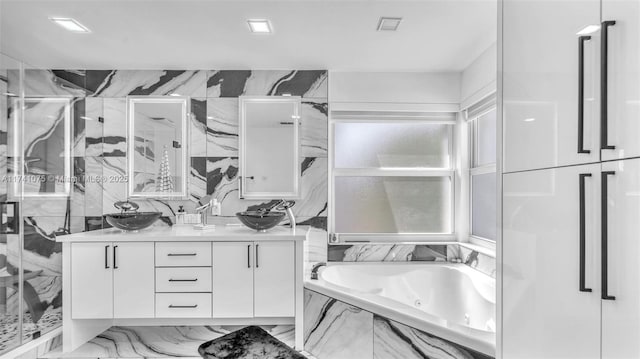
(435, 35)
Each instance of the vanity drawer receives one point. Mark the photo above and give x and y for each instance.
(181, 305)
(183, 254)
(190, 279)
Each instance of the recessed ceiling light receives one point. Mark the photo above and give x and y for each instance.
(589, 29)
(389, 23)
(529, 119)
(260, 26)
(70, 24)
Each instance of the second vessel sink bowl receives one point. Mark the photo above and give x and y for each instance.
(259, 220)
(132, 221)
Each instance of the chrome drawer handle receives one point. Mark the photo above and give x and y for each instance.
(183, 306)
(183, 280)
(181, 254)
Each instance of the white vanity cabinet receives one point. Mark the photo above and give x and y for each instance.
(112, 280)
(181, 276)
(253, 279)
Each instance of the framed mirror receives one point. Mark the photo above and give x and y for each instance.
(269, 147)
(157, 138)
(42, 155)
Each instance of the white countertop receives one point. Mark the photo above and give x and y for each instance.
(188, 233)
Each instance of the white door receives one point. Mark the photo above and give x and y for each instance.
(623, 105)
(274, 277)
(133, 280)
(91, 281)
(233, 279)
(541, 78)
(621, 315)
(545, 313)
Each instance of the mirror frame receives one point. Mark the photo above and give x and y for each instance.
(186, 114)
(242, 102)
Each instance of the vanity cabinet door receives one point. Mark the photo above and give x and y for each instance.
(542, 84)
(274, 277)
(133, 280)
(91, 281)
(623, 83)
(233, 279)
(621, 311)
(548, 311)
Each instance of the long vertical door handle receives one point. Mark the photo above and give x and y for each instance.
(248, 256)
(604, 75)
(115, 264)
(240, 187)
(581, 41)
(582, 285)
(605, 267)
(257, 265)
(106, 257)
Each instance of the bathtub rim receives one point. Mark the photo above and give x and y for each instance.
(361, 300)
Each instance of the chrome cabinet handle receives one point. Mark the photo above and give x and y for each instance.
(183, 280)
(181, 254)
(106, 257)
(248, 256)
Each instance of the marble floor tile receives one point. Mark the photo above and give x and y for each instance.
(159, 342)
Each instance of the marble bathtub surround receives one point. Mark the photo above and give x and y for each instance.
(452, 252)
(336, 330)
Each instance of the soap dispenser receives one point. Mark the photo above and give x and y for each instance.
(180, 215)
(216, 207)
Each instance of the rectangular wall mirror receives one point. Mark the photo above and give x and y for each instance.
(157, 141)
(42, 155)
(269, 147)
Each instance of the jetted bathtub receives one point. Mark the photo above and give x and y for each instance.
(449, 300)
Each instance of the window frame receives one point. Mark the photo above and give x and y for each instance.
(364, 117)
(473, 169)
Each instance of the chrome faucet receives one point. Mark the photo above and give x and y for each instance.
(472, 257)
(314, 270)
(205, 203)
(285, 205)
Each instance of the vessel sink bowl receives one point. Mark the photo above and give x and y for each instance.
(132, 221)
(260, 221)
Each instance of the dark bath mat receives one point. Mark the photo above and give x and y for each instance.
(247, 343)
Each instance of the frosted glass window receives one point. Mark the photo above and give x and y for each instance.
(389, 145)
(483, 203)
(393, 205)
(486, 139)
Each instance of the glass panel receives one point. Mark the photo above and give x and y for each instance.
(483, 203)
(486, 141)
(9, 243)
(376, 145)
(393, 204)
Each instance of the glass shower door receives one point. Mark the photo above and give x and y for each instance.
(11, 275)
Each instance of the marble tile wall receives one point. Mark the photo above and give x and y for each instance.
(99, 154)
(334, 329)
